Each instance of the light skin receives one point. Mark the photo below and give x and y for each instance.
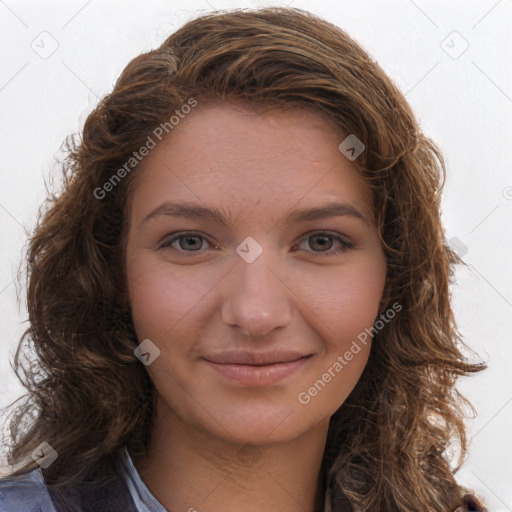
(217, 444)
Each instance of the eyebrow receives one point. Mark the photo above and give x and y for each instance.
(198, 212)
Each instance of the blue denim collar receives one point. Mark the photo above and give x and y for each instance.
(140, 494)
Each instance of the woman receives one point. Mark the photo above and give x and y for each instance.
(302, 353)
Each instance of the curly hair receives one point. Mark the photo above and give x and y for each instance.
(88, 395)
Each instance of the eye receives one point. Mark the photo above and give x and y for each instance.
(322, 243)
(187, 242)
(324, 240)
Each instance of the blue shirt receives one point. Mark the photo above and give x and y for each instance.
(29, 493)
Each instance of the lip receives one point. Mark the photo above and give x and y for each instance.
(246, 357)
(253, 369)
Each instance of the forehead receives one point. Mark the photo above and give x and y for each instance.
(232, 154)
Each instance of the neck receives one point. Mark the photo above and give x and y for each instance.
(188, 470)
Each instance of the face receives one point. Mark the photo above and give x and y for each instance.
(250, 285)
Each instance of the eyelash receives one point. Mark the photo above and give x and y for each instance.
(345, 244)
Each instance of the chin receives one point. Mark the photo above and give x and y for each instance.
(262, 424)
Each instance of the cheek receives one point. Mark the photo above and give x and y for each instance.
(346, 301)
(161, 298)
(347, 312)
(358, 305)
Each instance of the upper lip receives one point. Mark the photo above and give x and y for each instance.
(255, 358)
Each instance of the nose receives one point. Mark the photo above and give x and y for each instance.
(256, 300)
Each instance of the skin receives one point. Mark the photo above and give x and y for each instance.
(218, 445)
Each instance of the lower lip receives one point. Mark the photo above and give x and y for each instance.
(258, 375)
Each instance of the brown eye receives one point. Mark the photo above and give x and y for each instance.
(320, 242)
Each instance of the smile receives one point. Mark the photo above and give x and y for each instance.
(257, 370)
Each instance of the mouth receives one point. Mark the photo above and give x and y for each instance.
(257, 369)
(256, 358)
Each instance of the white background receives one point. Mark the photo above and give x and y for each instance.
(463, 103)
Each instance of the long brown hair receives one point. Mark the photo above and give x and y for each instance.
(88, 395)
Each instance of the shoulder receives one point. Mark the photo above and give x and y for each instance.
(30, 493)
(471, 503)
(25, 493)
